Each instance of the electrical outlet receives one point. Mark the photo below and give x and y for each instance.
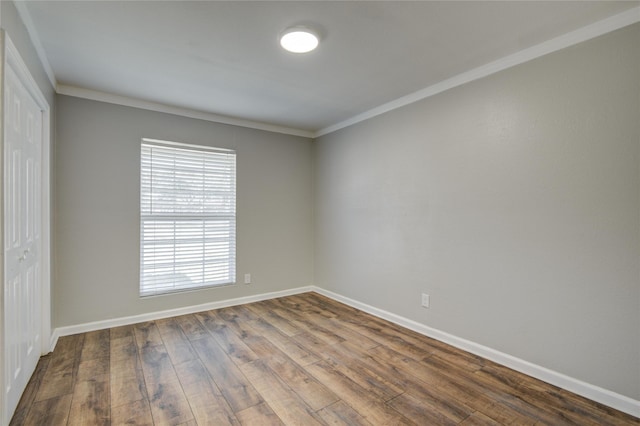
(425, 300)
(247, 278)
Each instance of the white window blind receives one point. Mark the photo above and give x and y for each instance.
(187, 217)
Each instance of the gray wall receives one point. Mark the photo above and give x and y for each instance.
(513, 201)
(97, 213)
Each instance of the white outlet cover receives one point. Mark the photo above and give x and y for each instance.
(425, 300)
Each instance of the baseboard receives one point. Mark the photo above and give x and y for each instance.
(151, 316)
(595, 393)
(587, 390)
(53, 341)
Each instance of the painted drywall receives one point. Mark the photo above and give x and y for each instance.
(97, 209)
(512, 201)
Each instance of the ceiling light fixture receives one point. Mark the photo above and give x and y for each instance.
(299, 40)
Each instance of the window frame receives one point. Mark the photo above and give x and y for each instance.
(180, 219)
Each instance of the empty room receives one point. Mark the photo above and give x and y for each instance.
(320, 212)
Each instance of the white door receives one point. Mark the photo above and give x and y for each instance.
(22, 237)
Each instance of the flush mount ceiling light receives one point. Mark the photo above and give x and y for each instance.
(299, 40)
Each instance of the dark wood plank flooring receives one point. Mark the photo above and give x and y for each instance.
(298, 360)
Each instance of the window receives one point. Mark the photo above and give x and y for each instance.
(187, 217)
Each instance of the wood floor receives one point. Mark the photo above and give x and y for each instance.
(299, 360)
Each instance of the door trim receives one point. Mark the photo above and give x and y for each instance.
(12, 58)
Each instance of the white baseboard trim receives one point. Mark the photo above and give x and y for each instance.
(53, 341)
(151, 316)
(593, 392)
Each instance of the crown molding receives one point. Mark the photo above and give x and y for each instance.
(95, 95)
(24, 14)
(78, 92)
(615, 22)
(588, 32)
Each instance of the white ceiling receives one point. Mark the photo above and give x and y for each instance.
(223, 57)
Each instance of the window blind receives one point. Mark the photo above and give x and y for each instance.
(187, 217)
